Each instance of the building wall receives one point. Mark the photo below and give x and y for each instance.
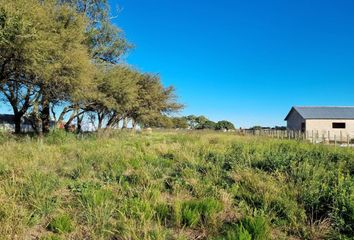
(294, 121)
(11, 127)
(323, 127)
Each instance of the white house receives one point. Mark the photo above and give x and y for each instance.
(7, 123)
(323, 122)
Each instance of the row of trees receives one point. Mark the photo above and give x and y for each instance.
(61, 60)
(192, 122)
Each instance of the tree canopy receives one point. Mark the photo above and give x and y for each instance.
(63, 60)
(68, 54)
(224, 125)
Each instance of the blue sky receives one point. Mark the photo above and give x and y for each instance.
(245, 61)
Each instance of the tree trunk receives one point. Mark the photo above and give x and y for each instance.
(111, 121)
(45, 115)
(133, 124)
(17, 121)
(125, 123)
(71, 118)
(79, 124)
(35, 119)
(100, 120)
(74, 115)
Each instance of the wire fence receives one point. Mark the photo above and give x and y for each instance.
(314, 136)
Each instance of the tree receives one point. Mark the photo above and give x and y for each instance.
(119, 84)
(67, 53)
(204, 123)
(42, 55)
(71, 70)
(192, 121)
(153, 100)
(161, 121)
(201, 120)
(256, 128)
(179, 122)
(106, 42)
(224, 125)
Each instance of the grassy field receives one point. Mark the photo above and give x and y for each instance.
(174, 186)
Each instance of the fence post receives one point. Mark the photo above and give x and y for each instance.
(347, 140)
(341, 137)
(317, 136)
(335, 140)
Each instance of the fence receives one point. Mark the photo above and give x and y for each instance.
(311, 136)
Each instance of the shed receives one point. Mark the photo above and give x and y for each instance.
(323, 121)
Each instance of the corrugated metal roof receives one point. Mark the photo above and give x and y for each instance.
(325, 112)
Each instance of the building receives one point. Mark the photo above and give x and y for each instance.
(7, 123)
(330, 123)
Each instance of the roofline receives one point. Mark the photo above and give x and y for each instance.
(323, 106)
(291, 110)
(329, 118)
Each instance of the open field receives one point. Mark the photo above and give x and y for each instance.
(174, 186)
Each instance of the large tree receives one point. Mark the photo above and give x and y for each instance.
(67, 52)
(42, 55)
(106, 44)
(105, 40)
(118, 89)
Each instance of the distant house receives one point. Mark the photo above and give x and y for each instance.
(7, 123)
(330, 122)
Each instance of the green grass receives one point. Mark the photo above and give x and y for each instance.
(60, 224)
(173, 185)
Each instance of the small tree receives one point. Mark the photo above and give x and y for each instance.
(180, 122)
(207, 125)
(191, 121)
(153, 100)
(224, 125)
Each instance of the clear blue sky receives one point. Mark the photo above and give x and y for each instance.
(245, 61)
